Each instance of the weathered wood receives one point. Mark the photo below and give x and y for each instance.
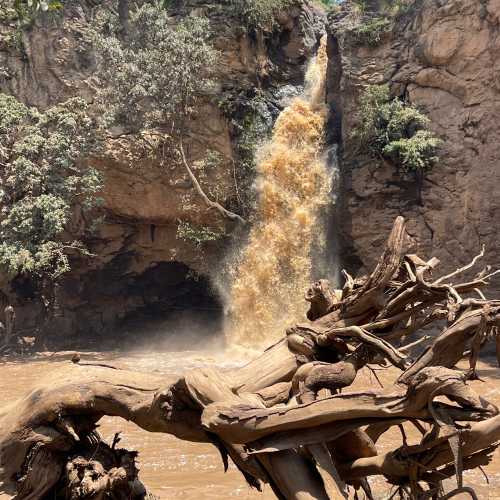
(369, 295)
(242, 423)
(276, 364)
(448, 348)
(63, 410)
(321, 299)
(480, 436)
(274, 417)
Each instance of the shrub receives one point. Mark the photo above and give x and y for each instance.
(395, 130)
(416, 153)
(42, 178)
(260, 14)
(370, 30)
(196, 234)
(16, 16)
(37, 5)
(24, 12)
(251, 122)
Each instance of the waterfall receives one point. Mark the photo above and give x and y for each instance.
(293, 183)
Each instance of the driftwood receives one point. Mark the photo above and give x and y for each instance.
(282, 418)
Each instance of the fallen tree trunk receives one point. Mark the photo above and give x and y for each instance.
(41, 431)
(241, 423)
(282, 418)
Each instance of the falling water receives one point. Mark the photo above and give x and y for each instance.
(293, 183)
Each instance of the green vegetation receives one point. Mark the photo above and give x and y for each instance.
(207, 173)
(42, 178)
(153, 74)
(26, 8)
(395, 130)
(364, 27)
(152, 77)
(22, 13)
(371, 30)
(260, 14)
(361, 28)
(19, 15)
(25, 11)
(251, 122)
(328, 3)
(196, 234)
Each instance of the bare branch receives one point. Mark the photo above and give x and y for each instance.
(471, 264)
(210, 203)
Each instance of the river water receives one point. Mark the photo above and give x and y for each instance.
(176, 469)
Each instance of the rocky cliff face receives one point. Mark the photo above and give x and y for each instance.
(140, 263)
(443, 57)
(440, 56)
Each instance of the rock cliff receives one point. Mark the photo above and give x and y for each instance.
(440, 56)
(140, 264)
(443, 58)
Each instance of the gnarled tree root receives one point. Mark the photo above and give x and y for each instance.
(282, 418)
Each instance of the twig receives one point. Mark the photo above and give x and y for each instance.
(463, 489)
(403, 434)
(494, 273)
(486, 478)
(413, 344)
(376, 376)
(236, 188)
(472, 263)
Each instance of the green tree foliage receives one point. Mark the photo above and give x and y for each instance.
(23, 12)
(32, 6)
(364, 24)
(371, 30)
(41, 179)
(196, 234)
(19, 15)
(151, 78)
(260, 14)
(395, 130)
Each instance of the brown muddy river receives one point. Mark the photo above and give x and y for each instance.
(176, 469)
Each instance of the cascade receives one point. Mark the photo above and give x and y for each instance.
(293, 183)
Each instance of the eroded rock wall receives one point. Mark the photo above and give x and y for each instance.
(443, 57)
(143, 200)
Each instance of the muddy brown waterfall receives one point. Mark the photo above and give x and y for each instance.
(293, 183)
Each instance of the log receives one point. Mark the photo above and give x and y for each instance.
(321, 299)
(282, 418)
(62, 411)
(244, 423)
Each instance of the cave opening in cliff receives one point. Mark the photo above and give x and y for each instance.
(175, 308)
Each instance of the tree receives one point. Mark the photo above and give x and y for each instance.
(43, 177)
(152, 79)
(33, 6)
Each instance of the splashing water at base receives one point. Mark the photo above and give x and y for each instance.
(293, 183)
